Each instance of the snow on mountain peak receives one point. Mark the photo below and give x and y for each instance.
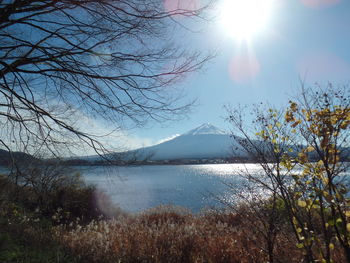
(205, 128)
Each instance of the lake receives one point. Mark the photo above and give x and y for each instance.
(136, 188)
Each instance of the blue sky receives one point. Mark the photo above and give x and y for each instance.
(304, 39)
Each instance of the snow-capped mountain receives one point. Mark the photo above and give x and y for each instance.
(205, 141)
(205, 128)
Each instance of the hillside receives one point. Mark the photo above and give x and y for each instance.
(203, 142)
(6, 158)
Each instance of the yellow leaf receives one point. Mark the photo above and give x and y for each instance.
(331, 246)
(347, 213)
(295, 221)
(289, 116)
(302, 203)
(325, 180)
(344, 125)
(310, 149)
(296, 123)
(294, 106)
(348, 227)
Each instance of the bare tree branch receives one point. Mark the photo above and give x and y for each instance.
(102, 58)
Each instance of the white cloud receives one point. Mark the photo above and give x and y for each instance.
(168, 138)
(64, 143)
(113, 138)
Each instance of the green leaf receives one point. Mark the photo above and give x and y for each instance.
(339, 221)
(300, 245)
(331, 222)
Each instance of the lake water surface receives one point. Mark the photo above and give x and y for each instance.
(136, 188)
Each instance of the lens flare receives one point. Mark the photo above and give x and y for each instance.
(179, 6)
(319, 3)
(244, 68)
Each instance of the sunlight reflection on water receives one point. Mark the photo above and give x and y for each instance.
(136, 188)
(192, 186)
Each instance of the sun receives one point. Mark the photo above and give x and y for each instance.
(243, 19)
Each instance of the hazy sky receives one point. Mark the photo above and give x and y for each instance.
(301, 39)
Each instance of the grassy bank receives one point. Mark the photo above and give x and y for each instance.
(168, 234)
(29, 242)
(68, 226)
(163, 234)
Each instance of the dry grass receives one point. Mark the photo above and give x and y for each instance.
(170, 235)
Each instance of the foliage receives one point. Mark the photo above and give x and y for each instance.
(33, 200)
(53, 189)
(300, 150)
(26, 236)
(38, 196)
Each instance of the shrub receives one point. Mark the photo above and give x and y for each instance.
(302, 151)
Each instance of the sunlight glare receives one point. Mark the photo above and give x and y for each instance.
(243, 19)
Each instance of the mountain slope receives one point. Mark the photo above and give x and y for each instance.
(205, 141)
